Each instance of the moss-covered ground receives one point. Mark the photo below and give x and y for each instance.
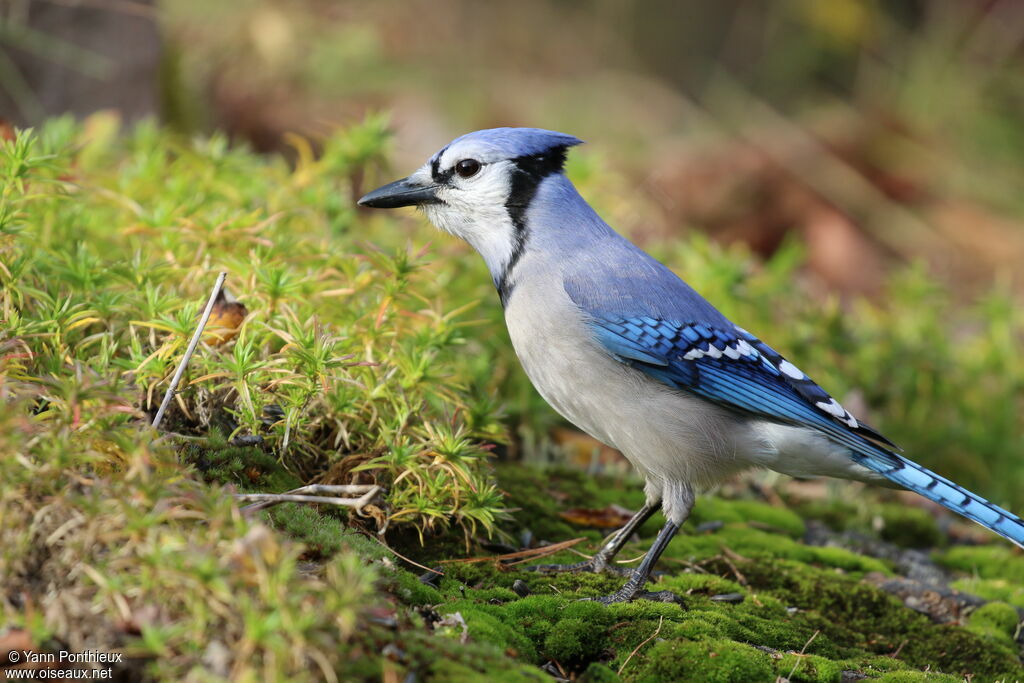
(783, 608)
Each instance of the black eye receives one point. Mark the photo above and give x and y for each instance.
(467, 168)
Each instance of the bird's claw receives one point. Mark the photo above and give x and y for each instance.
(625, 595)
(587, 566)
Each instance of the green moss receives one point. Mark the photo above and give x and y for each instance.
(987, 561)
(809, 668)
(572, 642)
(491, 594)
(707, 661)
(834, 513)
(700, 584)
(591, 612)
(449, 659)
(777, 519)
(854, 617)
(322, 533)
(247, 467)
(992, 589)
(909, 527)
(534, 615)
(746, 541)
(412, 591)
(487, 626)
(598, 673)
(996, 620)
(919, 677)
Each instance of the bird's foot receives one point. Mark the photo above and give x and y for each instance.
(594, 565)
(635, 589)
(628, 594)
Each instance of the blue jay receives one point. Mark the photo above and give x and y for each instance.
(633, 356)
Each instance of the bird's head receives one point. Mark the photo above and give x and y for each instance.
(479, 186)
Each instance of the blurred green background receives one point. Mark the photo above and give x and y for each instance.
(862, 160)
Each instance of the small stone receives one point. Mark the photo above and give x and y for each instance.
(709, 527)
(731, 598)
(520, 588)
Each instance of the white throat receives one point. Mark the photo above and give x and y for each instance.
(481, 219)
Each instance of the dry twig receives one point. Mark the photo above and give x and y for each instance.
(189, 351)
(661, 620)
(314, 493)
(522, 555)
(800, 654)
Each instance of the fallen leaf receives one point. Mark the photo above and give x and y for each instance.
(611, 517)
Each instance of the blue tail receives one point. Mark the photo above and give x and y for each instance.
(923, 481)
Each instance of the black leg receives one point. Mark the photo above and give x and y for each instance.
(634, 588)
(612, 545)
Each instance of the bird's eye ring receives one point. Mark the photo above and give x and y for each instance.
(467, 168)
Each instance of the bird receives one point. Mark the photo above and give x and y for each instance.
(624, 349)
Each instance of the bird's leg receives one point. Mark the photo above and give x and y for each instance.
(612, 545)
(677, 501)
(634, 587)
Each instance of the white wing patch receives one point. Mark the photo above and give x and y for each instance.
(740, 349)
(834, 408)
(791, 370)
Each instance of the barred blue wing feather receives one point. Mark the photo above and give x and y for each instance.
(731, 367)
(813, 393)
(728, 366)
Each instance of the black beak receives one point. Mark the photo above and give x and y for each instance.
(400, 193)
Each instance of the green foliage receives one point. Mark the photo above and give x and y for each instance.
(348, 355)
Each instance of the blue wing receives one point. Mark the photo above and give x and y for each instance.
(729, 366)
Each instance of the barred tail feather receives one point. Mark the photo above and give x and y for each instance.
(924, 482)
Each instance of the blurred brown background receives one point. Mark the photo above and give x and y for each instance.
(877, 133)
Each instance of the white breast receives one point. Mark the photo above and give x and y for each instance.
(667, 435)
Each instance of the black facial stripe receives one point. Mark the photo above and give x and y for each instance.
(435, 169)
(527, 174)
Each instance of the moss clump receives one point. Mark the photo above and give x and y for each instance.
(707, 661)
(598, 673)
(909, 527)
(573, 642)
(855, 618)
(534, 615)
(322, 533)
(448, 659)
(987, 561)
(410, 590)
(746, 541)
(749, 511)
(996, 620)
(992, 589)
(809, 668)
(485, 625)
(919, 677)
(834, 513)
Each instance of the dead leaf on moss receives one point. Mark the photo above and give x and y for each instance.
(611, 517)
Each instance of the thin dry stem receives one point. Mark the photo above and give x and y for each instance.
(313, 494)
(661, 620)
(189, 351)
